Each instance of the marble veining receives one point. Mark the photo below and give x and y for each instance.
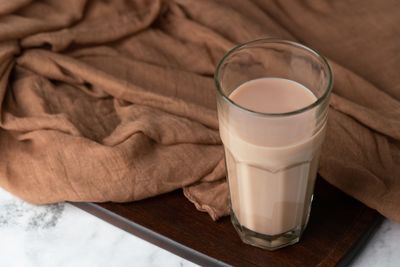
(19, 213)
(64, 236)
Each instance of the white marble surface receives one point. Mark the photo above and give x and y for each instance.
(382, 249)
(62, 235)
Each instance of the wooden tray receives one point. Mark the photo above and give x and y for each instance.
(338, 227)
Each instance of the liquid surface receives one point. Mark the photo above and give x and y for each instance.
(272, 95)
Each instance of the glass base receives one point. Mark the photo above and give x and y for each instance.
(268, 242)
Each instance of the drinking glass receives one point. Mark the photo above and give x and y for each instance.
(272, 158)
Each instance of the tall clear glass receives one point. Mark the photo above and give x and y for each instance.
(272, 158)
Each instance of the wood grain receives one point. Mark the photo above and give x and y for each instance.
(338, 227)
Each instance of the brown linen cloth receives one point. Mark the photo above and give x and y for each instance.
(114, 100)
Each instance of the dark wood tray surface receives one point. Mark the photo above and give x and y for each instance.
(339, 226)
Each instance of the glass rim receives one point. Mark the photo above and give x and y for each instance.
(276, 41)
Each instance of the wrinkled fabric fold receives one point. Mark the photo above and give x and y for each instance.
(115, 100)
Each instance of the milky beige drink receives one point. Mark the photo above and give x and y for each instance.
(271, 181)
(272, 98)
